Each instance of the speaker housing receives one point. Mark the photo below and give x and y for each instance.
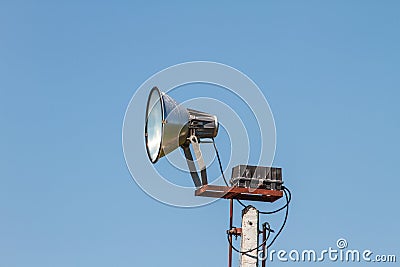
(168, 125)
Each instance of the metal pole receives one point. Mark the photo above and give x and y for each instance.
(249, 240)
(264, 234)
(230, 236)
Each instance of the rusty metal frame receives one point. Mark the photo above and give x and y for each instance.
(242, 193)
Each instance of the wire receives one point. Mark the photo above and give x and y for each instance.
(284, 206)
(240, 202)
(250, 250)
(286, 216)
(288, 196)
(219, 162)
(274, 211)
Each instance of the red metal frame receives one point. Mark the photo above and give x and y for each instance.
(243, 193)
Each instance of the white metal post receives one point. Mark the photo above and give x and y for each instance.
(249, 238)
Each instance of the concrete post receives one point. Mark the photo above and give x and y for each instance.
(249, 238)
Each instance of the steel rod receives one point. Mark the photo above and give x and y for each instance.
(230, 236)
(264, 259)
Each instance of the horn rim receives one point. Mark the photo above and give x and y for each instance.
(155, 88)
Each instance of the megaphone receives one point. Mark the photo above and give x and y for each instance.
(169, 125)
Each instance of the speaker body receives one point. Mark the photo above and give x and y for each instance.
(168, 125)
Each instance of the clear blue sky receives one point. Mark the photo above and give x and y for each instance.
(330, 71)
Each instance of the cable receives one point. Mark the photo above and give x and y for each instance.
(250, 250)
(286, 216)
(274, 211)
(284, 206)
(240, 202)
(288, 196)
(219, 162)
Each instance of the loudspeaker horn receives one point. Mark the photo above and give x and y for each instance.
(168, 125)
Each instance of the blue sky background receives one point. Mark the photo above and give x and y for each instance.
(330, 71)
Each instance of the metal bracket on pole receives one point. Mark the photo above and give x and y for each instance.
(200, 161)
(192, 167)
